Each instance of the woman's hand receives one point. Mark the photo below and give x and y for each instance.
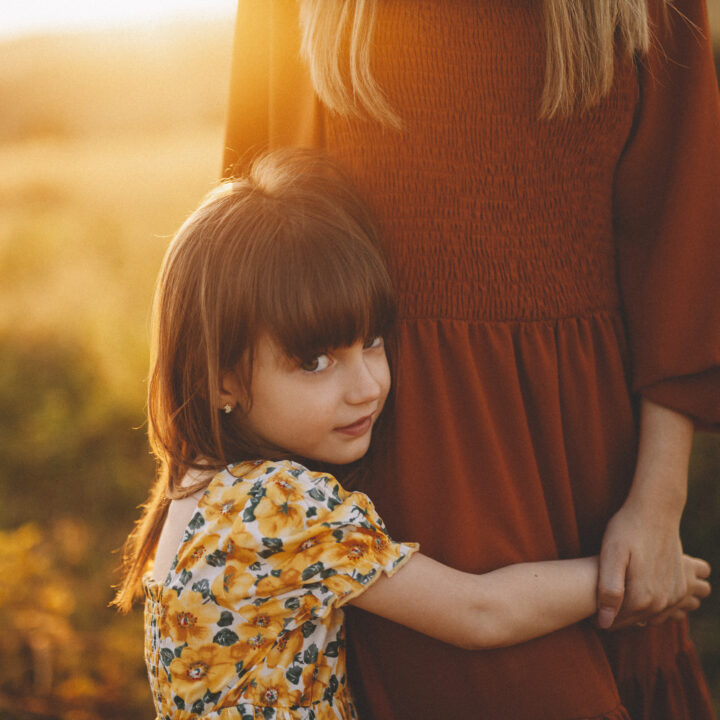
(642, 572)
(641, 566)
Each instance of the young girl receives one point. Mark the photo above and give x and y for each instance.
(272, 315)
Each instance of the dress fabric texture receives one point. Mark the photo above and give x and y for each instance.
(548, 273)
(249, 621)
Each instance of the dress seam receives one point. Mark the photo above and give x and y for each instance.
(608, 312)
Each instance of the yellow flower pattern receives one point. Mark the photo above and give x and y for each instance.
(249, 622)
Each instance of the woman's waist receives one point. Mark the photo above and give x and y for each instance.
(502, 300)
(503, 287)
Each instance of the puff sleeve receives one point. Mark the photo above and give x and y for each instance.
(299, 537)
(667, 215)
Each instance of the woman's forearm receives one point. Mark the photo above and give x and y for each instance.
(662, 463)
(641, 557)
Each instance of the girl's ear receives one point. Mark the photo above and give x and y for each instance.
(231, 392)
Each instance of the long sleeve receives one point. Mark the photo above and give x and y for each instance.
(667, 213)
(272, 101)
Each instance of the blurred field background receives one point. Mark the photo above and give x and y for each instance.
(107, 141)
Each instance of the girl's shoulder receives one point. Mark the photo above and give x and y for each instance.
(273, 470)
(281, 493)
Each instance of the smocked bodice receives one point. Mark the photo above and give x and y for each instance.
(487, 211)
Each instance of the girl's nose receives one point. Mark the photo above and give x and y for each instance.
(367, 380)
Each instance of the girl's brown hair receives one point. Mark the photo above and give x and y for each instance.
(288, 250)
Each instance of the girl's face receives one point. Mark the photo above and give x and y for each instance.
(322, 410)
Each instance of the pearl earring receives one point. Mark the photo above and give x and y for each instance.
(228, 408)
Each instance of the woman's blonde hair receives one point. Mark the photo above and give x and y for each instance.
(579, 63)
(287, 251)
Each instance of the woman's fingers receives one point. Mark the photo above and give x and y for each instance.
(611, 584)
(696, 588)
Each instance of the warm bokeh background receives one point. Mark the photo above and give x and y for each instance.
(107, 141)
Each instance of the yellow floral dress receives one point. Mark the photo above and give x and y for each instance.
(248, 623)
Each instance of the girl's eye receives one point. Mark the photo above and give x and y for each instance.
(374, 342)
(316, 364)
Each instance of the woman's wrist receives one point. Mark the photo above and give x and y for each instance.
(660, 480)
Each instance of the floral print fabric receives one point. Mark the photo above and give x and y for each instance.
(248, 623)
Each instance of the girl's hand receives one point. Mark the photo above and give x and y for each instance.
(697, 572)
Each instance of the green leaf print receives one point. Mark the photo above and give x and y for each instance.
(312, 570)
(273, 543)
(185, 577)
(179, 702)
(335, 500)
(258, 489)
(269, 713)
(331, 689)
(364, 579)
(196, 522)
(332, 649)
(225, 637)
(310, 655)
(216, 559)
(316, 494)
(311, 512)
(202, 587)
(211, 698)
(292, 603)
(167, 656)
(248, 515)
(226, 618)
(307, 628)
(198, 707)
(328, 572)
(293, 674)
(338, 535)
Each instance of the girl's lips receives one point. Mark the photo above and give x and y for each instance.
(360, 427)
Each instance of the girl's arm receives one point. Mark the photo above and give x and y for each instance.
(503, 607)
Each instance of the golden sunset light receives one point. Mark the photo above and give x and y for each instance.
(114, 124)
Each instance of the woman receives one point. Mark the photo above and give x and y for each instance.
(545, 181)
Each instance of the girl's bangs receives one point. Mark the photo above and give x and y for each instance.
(322, 293)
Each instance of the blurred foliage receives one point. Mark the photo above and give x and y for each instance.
(701, 537)
(60, 657)
(107, 141)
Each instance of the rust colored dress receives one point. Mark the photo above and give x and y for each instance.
(548, 272)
